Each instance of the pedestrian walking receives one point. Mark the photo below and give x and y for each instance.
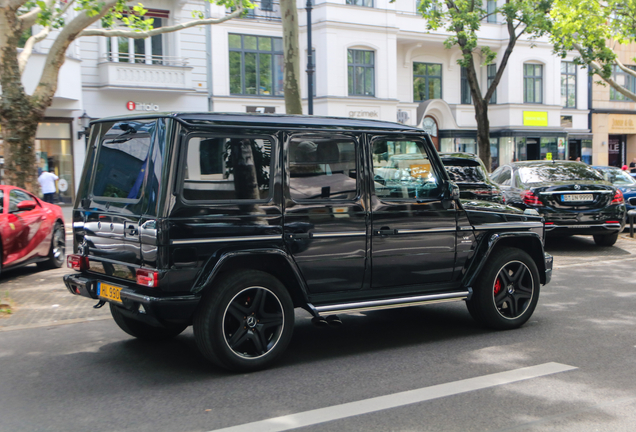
(632, 166)
(47, 182)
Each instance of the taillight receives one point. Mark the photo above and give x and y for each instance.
(531, 199)
(618, 198)
(147, 278)
(77, 262)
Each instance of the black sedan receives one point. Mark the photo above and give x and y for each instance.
(470, 174)
(573, 197)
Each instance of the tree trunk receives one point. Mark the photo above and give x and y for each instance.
(483, 134)
(18, 117)
(291, 84)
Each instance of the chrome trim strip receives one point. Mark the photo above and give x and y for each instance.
(613, 225)
(576, 192)
(226, 239)
(425, 230)
(78, 224)
(391, 303)
(340, 234)
(509, 225)
(465, 228)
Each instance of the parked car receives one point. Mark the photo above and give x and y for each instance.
(471, 175)
(573, 197)
(623, 181)
(31, 230)
(228, 222)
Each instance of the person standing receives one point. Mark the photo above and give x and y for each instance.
(47, 182)
(632, 166)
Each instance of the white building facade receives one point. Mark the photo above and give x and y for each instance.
(373, 59)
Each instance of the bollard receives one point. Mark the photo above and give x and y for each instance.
(631, 214)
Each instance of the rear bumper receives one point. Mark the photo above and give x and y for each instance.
(584, 229)
(153, 310)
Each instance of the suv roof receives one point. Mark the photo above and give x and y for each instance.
(199, 118)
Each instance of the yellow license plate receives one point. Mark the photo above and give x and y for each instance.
(109, 292)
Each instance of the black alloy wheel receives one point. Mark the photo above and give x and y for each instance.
(507, 290)
(57, 250)
(245, 322)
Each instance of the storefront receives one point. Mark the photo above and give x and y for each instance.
(53, 149)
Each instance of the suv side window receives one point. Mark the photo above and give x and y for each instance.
(503, 177)
(222, 168)
(322, 168)
(402, 170)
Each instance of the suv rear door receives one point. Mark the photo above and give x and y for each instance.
(117, 197)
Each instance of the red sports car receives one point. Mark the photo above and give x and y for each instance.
(31, 231)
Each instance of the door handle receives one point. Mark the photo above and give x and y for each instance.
(385, 231)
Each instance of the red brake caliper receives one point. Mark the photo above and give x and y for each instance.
(498, 286)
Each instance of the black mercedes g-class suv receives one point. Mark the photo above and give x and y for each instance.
(228, 222)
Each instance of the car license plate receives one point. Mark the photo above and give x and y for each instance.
(578, 198)
(109, 292)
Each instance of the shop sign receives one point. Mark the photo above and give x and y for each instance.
(561, 143)
(621, 123)
(141, 106)
(548, 156)
(62, 185)
(364, 114)
(535, 118)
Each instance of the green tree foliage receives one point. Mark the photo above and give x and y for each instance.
(462, 20)
(594, 29)
(62, 21)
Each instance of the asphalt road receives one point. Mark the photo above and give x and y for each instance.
(426, 368)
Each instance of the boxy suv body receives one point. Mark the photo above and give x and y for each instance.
(228, 222)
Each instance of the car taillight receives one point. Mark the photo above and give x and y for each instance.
(618, 198)
(484, 192)
(77, 262)
(531, 199)
(147, 278)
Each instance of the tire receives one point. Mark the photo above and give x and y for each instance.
(142, 330)
(56, 250)
(246, 322)
(507, 290)
(605, 239)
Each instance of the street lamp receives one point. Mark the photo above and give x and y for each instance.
(310, 64)
(85, 120)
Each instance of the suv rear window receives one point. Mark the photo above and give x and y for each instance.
(465, 172)
(558, 172)
(122, 159)
(227, 168)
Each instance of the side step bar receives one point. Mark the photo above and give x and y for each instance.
(392, 303)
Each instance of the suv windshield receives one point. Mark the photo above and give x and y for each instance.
(618, 177)
(122, 159)
(558, 172)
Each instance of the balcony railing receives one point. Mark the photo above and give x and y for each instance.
(144, 71)
(268, 10)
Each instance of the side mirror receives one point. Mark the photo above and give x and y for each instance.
(26, 205)
(450, 195)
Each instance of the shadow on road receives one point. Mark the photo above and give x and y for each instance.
(583, 246)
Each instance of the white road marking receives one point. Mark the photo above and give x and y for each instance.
(322, 415)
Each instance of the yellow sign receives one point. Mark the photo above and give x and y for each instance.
(420, 170)
(535, 118)
(621, 123)
(548, 156)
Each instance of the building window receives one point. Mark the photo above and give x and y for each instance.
(427, 81)
(568, 85)
(368, 3)
(361, 72)
(491, 6)
(532, 83)
(625, 80)
(465, 87)
(147, 51)
(256, 65)
(492, 71)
